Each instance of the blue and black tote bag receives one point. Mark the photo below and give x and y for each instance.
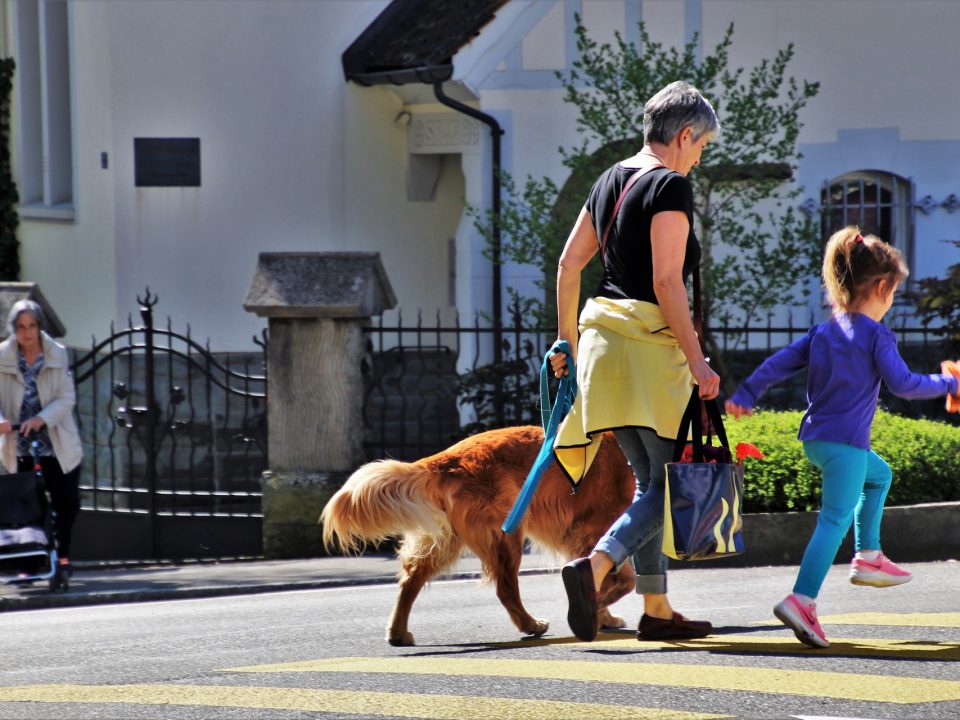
(703, 499)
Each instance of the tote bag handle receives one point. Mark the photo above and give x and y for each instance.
(691, 417)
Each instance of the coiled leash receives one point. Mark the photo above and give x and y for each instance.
(550, 417)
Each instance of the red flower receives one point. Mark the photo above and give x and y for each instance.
(714, 454)
(745, 450)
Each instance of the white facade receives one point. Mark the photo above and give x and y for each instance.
(295, 158)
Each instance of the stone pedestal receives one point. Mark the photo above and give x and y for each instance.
(316, 305)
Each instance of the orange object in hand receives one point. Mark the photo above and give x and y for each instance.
(745, 450)
(953, 368)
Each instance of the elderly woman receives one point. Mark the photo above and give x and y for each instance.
(37, 392)
(638, 354)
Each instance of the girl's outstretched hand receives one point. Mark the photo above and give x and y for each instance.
(736, 410)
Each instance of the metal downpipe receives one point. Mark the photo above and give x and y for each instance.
(495, 132)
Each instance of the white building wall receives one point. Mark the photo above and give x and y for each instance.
(73, 261)
(292, 158)
(296, 158)
(877, 109)
(411, 235)
(260, 85)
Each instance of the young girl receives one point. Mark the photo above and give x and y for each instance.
(846, 358)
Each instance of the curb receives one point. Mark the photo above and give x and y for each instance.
(82, 599)
(45, 600)
(910, 533)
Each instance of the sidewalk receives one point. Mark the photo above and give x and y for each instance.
(98, 583)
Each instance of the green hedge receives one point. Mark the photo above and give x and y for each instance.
(924, 456)
(9, 219)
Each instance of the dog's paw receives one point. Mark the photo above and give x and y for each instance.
(400, 640)
(538, 628)
(609, 621)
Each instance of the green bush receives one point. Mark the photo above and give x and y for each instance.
(924, 456)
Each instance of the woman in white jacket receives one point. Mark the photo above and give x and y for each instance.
(37, 392)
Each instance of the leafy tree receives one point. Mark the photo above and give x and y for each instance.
(938, 301)
(758, 252)
(9, 259)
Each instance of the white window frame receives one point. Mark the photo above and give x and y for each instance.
(45, 123)
(901, 207)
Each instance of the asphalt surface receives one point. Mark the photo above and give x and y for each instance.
(893, 655)
(99, 583)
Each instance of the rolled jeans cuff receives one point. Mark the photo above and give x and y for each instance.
(652, 584)
(614, 549)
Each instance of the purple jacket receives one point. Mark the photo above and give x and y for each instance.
(846, 358)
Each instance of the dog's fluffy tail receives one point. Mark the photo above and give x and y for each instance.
(382, 499)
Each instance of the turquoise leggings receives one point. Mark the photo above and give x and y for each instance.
(855, 485)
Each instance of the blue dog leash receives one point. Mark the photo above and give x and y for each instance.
(550, 418)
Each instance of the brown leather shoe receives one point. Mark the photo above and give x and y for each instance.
(676, 628)
(582, 597)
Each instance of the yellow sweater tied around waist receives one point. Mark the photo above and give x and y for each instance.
(631, 372)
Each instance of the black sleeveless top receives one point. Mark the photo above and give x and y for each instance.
(628, 259)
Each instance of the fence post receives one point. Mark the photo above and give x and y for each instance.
(151, 416)
(317, 305)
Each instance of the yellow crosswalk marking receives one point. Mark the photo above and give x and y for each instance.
(843, 647)
(408, 705)
(783, 644)
(849, 686)
(950, 620)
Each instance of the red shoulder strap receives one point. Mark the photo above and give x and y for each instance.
(616, 208)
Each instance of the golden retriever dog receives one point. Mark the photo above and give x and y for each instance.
(459, 498)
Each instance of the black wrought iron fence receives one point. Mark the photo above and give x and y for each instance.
(430, 383)
(175, 441)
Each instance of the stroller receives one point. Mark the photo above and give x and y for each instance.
(28, 541)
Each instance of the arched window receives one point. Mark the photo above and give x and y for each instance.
(881, 203)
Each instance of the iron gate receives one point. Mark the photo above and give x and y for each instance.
(175, 440)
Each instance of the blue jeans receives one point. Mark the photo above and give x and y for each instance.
(855, 486)
(639, 531)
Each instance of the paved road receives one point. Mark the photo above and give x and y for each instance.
(320, 653)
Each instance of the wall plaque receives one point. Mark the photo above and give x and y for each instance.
(166, 162)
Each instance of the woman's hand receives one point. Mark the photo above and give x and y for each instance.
(706, 378)
(558, 363)
(736, 410)
(5, 427)
(32, 425)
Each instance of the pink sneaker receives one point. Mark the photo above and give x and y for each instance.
(802, 620)
(881, 572)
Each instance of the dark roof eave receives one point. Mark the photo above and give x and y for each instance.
(428, 74)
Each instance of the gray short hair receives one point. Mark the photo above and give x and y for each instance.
(22, 306)
(677, 106)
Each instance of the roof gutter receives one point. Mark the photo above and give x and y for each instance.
(427, 75)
